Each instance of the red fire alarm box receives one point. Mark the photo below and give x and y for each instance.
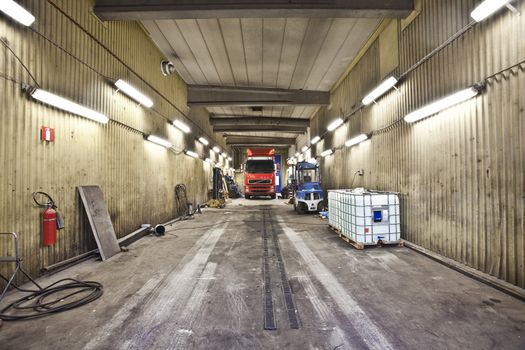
(47, 134)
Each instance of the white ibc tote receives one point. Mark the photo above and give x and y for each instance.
(365, 216)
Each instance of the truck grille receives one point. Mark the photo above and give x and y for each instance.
(259, 181)
(260, 188)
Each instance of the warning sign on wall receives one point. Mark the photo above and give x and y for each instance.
(47, 134)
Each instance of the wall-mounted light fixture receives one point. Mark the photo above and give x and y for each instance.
(315, 140)
(442, 104)
(380, 90)
(487, 8)
(134, 93)
(335, 124)
(356, 140)
(203, 141)
(327, 153)
(67, 105)
(16, 12)
(181, 126)
(159, 141)
(191, 154)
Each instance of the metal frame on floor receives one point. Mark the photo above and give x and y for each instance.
(17, 260)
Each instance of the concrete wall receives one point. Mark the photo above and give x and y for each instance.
(71, 53)
(461, 173)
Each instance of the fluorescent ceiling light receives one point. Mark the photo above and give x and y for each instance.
(208, 160)
(134, 93)
(181, 126)
(487, 8)
(191, 154)
(203, 141)
(355, 140)
(327, 153)
(379, 90)
(297, 154)
(304, 149)
(224, 154)
(442, 104)
(159, 141)
(16, 12)
(67, 105)
(315, 140)
(230, 159)
(335, 124)
(216, 149)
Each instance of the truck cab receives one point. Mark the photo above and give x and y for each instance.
(259, 173)
(308, 194)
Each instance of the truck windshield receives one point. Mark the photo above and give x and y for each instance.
(260, 166)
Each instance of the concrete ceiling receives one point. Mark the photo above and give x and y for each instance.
(285, 53)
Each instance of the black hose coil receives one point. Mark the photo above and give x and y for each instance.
(52, 299)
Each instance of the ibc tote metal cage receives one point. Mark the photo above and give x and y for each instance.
(365, 217)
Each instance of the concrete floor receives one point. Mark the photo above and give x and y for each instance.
(201, 286)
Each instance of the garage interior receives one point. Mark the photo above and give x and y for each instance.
(132, 218)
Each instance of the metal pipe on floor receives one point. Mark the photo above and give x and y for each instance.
(135, 235)
(68, 262)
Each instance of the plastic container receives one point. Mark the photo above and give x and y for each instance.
(365, 216)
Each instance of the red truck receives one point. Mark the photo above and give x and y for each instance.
(259, 173)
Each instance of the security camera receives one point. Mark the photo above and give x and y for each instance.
(167, 68)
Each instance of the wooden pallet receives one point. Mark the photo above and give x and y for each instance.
(353, 243)
(396, 243)
(361, 246)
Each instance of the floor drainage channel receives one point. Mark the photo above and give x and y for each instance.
(291, 309)
(269, 318)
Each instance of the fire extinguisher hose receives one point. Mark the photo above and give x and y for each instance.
(63, 295)
(50, 202)
(43, 205)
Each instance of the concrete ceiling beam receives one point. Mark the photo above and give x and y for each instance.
(239, 140)
(213, 96)
(196, 9)
(251, 120)
(258, 128)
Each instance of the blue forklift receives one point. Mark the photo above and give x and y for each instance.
(308, 194)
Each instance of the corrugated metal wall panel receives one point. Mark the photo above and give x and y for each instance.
(462, 172)
(138, 178)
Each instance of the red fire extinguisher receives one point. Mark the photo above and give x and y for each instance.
(49, 226)
(51, 220)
